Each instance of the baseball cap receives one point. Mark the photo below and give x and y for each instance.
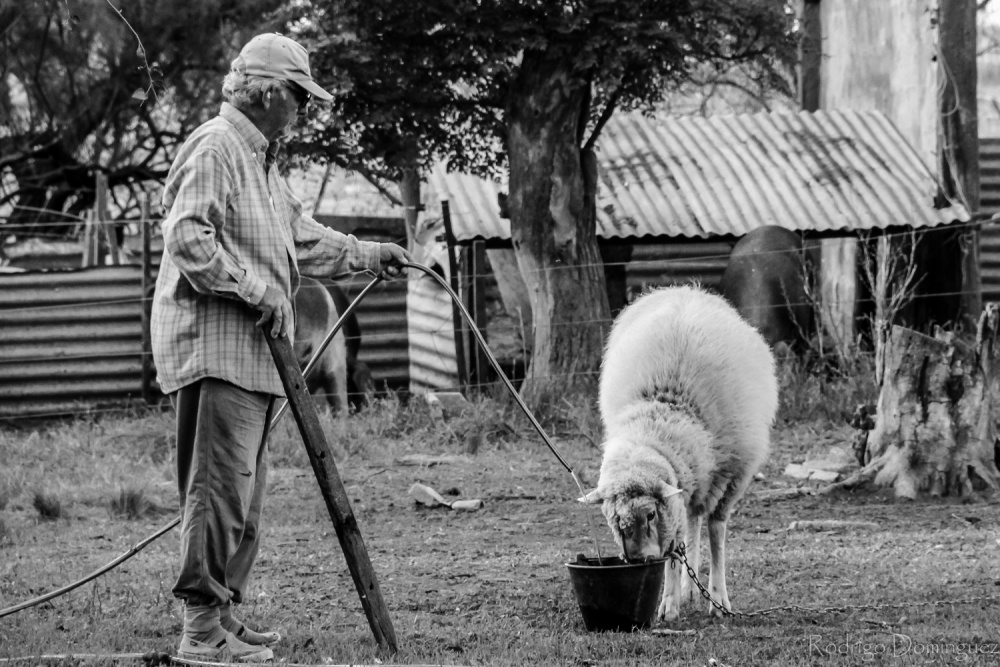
(278, 57)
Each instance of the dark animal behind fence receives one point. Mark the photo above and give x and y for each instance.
(315, 315)
(361, 387)
(765, 280)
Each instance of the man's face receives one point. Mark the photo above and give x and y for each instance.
(288, 102)
(298, 99)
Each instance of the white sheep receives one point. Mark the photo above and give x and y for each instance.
(687, 396)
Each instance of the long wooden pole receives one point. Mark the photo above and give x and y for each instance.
(332, 488)
(145, 226)
(105, 231)
(452, 244)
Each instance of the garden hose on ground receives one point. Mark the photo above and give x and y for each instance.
(281, 411)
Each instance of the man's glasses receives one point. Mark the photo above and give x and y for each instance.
(302, 96)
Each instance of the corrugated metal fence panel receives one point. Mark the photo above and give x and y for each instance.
(677, 264)
(69, 339)
(72, 340)
(433, 361)
(382, 317)
(989, 202)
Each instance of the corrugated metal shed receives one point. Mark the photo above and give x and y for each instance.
(69, 339)
(725, 175)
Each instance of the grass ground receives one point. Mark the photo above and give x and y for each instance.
(488, 587)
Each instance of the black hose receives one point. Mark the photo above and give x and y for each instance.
(281, 411)
(136, 548)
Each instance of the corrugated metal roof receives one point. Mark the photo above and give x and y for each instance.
(725, 175)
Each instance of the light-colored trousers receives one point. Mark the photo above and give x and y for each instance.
(222, 479)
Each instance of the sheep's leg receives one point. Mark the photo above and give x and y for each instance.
(692, 546)
(670, 601)
(717, 574)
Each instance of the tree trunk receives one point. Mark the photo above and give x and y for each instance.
(959, 140)
(552, 226)
(933, 432)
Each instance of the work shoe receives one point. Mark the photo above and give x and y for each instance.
(229, 649)
(254, 638)
(243, 633)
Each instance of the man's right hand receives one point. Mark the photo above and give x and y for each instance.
(275, 308)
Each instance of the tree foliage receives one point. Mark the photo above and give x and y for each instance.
(433, 78)
(85, 88)
(526, 86)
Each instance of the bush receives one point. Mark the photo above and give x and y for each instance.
(827, 388)
(131, 504)
(49, 507)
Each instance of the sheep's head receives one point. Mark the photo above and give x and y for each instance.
(645, 522)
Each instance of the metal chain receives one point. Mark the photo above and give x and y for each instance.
(679, 554)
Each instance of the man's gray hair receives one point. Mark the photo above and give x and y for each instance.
(245, 92)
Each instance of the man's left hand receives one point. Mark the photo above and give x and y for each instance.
(391, 258)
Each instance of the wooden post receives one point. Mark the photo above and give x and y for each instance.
(477, 308)
(145, 225)
(330, 485)
(409, 190)
(105, 233)
(463, 375)
(89, 240)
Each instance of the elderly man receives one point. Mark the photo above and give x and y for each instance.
(236, 242)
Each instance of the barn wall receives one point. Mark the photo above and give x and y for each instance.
(677, 264)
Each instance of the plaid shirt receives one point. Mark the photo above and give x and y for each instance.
(233, 228)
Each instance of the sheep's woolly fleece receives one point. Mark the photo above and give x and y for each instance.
(688, 394)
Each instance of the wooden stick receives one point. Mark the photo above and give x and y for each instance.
(452, 244)
(104, 226)
(330, 485)
(145, 225)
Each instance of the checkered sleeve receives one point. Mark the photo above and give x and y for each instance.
(323, 252)
(196, 221)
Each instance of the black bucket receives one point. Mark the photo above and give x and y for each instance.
(614, 595)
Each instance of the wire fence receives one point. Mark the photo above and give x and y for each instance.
(78, 307)
(926, 233)
(517, 332)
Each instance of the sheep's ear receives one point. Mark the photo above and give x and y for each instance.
(666, 491)
(591, 498)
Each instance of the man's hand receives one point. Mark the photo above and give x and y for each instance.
(275, 308)
(392, 258)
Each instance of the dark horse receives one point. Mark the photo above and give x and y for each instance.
(765, 280)
(340, 375)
